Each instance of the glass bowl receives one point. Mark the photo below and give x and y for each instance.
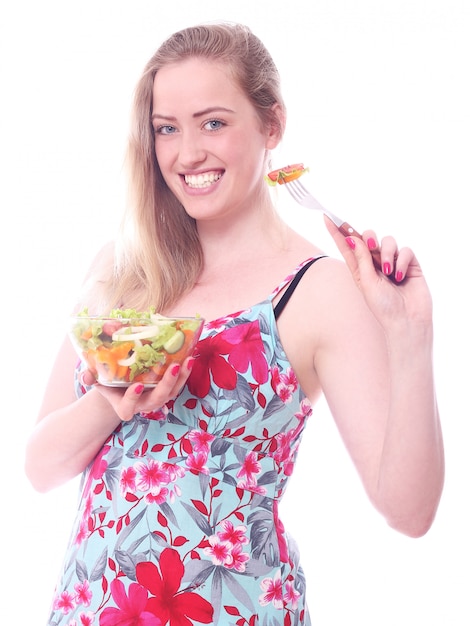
(121, 351)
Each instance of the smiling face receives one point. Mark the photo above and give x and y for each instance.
(209, 141)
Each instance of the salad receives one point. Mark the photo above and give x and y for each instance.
(127, 346)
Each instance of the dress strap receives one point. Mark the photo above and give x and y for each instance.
(292, 285)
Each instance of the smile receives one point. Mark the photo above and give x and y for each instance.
(199, 181)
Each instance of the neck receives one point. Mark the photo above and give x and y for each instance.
(259, 232)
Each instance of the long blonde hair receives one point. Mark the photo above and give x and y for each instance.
(159, 256)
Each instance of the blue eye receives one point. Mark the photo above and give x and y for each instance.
(165, 129)
(214, 125)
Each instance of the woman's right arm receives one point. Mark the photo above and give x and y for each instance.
(69, 432)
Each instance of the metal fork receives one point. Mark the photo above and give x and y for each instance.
(305, 198)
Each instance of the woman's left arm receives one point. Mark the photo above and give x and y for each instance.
(407, 480)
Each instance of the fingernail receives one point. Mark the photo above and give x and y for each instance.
(175, 369)
(351, 243)
(399, 276)
(386, 268)
(190, 364)
(371, 243)
(138, 390)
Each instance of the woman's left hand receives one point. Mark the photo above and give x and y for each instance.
(395, 291)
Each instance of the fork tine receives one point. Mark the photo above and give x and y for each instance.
(297, 191)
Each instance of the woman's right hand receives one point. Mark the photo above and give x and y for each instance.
(138, 399)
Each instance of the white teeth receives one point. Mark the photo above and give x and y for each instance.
(200, 181)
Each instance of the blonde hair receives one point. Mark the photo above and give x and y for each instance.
(159, 256)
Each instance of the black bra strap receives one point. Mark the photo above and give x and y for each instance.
(292, 285)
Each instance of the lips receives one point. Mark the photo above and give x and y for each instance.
(200, 181)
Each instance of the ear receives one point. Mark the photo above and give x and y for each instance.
(276, 126)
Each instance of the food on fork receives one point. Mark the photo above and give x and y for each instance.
(286, 174)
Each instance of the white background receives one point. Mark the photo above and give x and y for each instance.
(377, 93)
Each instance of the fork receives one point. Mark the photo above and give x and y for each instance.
(305, 198)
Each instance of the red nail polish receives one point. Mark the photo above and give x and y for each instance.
(190, 364)
(371, 243)
(138, 390)
(351, 243)
(399, 276)
(175, 369)
(386, 268)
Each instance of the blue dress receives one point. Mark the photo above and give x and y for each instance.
(178, 517)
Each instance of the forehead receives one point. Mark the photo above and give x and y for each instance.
(196, 82)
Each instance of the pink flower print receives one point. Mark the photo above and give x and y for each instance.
(157, 496)
(197, 462)
(284, 384)
(287, 445)
(83, 594)
(200, 440)
(280, 533)
(247, 349)
(221, 322)
(272, 588)
(239, 558)
(82, 533)
(151, 475)
(291, 596)
(305, 409)
(64, 602)
(250, 467)
(131, 610)
(173, 472)
(87, 619)
(252, 486)
(127, 482)
(100, 465)
(233, 534)
(219, 551)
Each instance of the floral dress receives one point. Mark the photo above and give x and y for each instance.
(178, 518)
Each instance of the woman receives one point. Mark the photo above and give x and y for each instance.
(178, 521)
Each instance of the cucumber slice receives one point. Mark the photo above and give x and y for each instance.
(147, 333)
(174, 343)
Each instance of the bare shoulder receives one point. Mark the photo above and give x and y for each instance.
(98, 273)
(325, 318)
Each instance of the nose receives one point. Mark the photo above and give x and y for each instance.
(191, 150)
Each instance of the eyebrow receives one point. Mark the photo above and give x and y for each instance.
(207, 111)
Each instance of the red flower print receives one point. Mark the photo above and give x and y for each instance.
(209, 360)
(247, 348)
(177, 608)
(131, 610)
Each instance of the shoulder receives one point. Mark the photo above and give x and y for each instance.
(100, 273)
(330, 305)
